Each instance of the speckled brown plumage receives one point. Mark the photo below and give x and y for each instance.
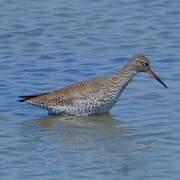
(92, 96)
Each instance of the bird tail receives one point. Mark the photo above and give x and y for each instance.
(29, 97)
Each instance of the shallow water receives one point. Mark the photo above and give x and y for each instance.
(45, 45)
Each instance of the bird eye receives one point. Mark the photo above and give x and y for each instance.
(146, 64)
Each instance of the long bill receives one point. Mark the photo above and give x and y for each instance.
(155, 76)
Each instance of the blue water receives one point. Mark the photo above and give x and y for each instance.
(45, 45)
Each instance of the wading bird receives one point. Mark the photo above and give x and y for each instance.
(92, 96)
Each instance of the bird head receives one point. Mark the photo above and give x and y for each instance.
(140, 63)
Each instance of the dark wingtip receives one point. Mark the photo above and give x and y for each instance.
(28, 97)
(24, 98)
(21, 99)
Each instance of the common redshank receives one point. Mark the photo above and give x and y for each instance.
(92, 96)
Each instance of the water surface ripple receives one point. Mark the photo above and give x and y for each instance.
(45, 45)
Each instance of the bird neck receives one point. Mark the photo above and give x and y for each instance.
(125, 76)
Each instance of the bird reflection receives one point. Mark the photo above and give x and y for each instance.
(72, 127)
(100, 137)
(105, 119)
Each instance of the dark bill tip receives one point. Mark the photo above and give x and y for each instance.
(155, 76)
